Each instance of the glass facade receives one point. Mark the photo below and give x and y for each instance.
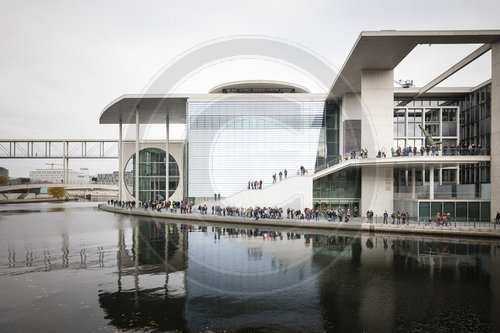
(475, 129)
(439, 118)
(339, 189)
(233, 142)
(328, 147)
(152, 174)
(462, 211)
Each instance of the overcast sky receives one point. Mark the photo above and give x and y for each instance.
(62, 62)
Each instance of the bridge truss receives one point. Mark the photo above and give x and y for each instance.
(59, 148)
(54, 149)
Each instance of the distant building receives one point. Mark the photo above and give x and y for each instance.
(112, 178)
(56, 176)
(4, 171)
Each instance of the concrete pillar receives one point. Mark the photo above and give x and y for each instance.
(167, 156)
(137, 156)
(431, 182)
(413, 185)
(440, 177)
(120, 166)
(377, 190)
(63, 163)
(377, 101)
(495, 129)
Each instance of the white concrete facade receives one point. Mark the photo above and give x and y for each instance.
(294, 193)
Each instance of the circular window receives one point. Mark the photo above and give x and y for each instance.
(152, 174)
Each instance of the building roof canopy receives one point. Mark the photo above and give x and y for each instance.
(386, 49)
(153, 109)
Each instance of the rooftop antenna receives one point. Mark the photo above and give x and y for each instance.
(405, 83)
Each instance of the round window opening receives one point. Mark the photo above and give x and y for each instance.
(152, 175)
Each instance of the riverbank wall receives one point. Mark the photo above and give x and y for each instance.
(482, 232)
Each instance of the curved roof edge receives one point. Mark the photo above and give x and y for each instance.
(252, 84)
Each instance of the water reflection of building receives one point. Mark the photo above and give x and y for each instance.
(150, 290)
(381, 278)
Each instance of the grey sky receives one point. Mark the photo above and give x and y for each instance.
(62, 62)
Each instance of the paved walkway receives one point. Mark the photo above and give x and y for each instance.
(355, 224)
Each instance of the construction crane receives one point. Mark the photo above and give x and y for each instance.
(52, 165)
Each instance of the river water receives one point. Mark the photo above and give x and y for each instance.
(68, 267)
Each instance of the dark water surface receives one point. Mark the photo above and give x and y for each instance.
(68, 267)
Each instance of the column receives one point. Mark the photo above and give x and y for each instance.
(137, 156)
(120, 171)
(440, 173)
(495, 129)
(431, 182)
(167, 156)
(413, 185)
(377, 101)
(64, 163)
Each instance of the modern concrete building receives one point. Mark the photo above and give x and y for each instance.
(248, 131)
(57, 176)
(113, 178)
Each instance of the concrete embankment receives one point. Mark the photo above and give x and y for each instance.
(16, 201)
(334, 226)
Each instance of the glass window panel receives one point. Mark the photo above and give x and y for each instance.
(449, 207)
(485, 211)
(461, 211)
(436, 207)
(424, 210)
(411, 129)
(401, 129)
(474, 211)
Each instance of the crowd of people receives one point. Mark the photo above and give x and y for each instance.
(354, 154)
(281, 174)
(434, 150)
(254, 185)
(397, 217)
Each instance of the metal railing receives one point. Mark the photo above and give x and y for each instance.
(444, 151)
(329, 163)
(425, 222)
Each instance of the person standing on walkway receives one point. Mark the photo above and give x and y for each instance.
(385, 217)
(285, 173)
(281, 175)
(260, 185)
(497, 218)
